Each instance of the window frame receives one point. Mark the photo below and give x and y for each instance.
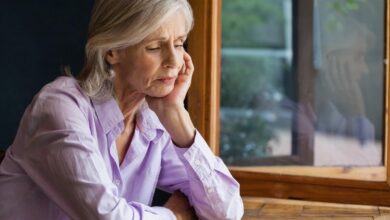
(204, 44)
(301, 183)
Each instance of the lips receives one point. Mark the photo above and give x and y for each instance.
(167, 80)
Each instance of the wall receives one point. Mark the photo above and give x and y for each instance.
(37, 38)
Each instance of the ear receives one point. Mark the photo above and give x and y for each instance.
(112, 56)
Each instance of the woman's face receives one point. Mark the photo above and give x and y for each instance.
(152, 66)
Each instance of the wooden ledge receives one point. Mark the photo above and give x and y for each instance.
(269, 208)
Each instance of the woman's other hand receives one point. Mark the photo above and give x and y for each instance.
(179, 205)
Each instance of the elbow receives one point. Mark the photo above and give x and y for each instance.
(235, 210)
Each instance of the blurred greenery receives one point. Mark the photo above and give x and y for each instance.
(250, 89)
(253, 23)
(340, 10)
(343, 7)
(243, 136)
(250, 84)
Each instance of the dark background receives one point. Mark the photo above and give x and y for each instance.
(37, 38)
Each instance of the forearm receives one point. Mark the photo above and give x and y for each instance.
(177, 122)
(207, 182)
(212, 190)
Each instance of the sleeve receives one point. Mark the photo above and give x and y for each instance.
(358, 127)
(203, 178)
(361, 128)
(62, 158)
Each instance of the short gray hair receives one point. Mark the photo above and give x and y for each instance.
(119, 24)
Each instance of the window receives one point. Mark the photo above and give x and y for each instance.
(302, 90)
(294, 98)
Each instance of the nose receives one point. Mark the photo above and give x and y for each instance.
(172, 58)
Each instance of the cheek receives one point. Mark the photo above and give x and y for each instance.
(144, 73)
(150, 71)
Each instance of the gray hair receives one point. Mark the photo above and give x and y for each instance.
(119, 24)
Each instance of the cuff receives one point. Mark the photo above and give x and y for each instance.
(198, 157)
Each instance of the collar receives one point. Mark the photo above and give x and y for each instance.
(110, 115)
(148, 123)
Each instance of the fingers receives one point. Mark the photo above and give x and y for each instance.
(337, 73)
(338, 77)
(186, 71)
(188, 66)
(344, 73)
(345, 91)
(329, 76)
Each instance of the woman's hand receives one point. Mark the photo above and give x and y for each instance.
(176, 97)
(179, 205)
(182, 84)
(343, 84)
(170, 109)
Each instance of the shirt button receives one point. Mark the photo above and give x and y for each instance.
(117, 182)
(210, 190)
(197, 162)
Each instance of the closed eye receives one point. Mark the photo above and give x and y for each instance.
(153, 48)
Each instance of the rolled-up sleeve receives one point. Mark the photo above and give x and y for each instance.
(204, 178)
(63, 159)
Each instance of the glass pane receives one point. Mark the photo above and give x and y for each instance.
(273, 113)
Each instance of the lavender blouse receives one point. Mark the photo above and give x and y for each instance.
(63, 164)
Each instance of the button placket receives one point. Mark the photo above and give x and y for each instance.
(117, 182)
(199, 169)
(197, 162)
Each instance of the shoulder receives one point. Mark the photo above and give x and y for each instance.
(62, 88)
(59, 104)
(56, 113)
(62, 92)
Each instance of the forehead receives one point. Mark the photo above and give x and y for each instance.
(172, 27)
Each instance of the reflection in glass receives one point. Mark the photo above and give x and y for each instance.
(349, 86)
(262, 116)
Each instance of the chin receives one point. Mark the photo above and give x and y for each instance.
(161, 92)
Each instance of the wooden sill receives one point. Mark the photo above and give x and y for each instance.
(268, 208)
(376, 174)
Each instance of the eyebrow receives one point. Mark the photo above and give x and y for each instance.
(165, 38)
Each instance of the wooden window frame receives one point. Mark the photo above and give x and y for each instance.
(204, 47)
(332, 184)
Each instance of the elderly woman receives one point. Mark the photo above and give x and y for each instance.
(97, 147)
